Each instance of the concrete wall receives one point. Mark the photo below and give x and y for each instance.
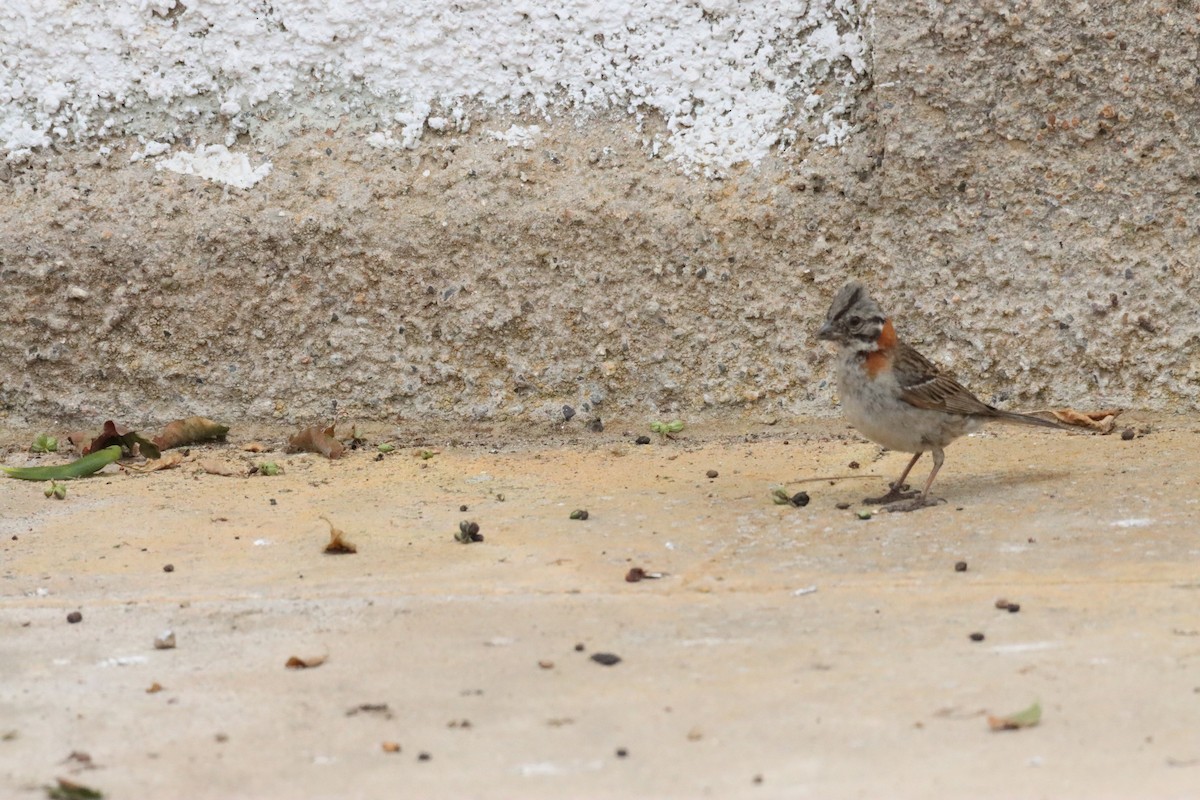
(253, 211)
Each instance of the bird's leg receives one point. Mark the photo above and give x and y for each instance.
(896, 488)
(924, 501)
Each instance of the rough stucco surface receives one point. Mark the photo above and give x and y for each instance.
(1021, 191)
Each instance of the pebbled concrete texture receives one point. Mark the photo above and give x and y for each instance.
(1021, 175)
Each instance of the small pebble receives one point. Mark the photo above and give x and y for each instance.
(462, 508)
(1002, 604)
(546, 664)
(622, 752)
(977, 637)
(842, 506)
(74, 617)
(168, 567)
(642, 440)
(579, 513)
(579, 648)
(712, 473)
(165, 641)
(1014, 608)
(596, 426)
(568, 412)
(607, 659)
(960, 566)
(800, 499)
(635, 574)
(854, 465)
(1127, 434)
(423, 756)
(864, 514)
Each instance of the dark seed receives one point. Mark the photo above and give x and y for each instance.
(1127, 434)
(423, 756)
(579, 648)
(976, 637)
(1014, 608)
(168, 567)
(568, 412)
(960, 566)
(634, 575)
(607, 659)
(642, 440)
(854, 465)
(622, 752)
(800, 499)
(74, 617)
(462, 508)
(712, 473)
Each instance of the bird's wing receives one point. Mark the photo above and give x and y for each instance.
(923, 385)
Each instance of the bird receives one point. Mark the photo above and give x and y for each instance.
(896, 397)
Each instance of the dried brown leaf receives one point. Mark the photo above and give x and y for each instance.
(311, 662)
(1101, 421)
(338, 545)
(254, 447)
(316, 440)
(190, 431)
(165, 462)
(113, 433)
(219, 466)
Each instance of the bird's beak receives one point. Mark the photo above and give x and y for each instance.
(826, 332)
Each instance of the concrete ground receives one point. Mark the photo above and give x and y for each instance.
(736, 678)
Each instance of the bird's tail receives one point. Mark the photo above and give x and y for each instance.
(1029, 419)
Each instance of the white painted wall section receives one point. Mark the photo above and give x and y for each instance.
(731, 80)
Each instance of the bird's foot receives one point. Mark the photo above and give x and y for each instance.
(914, 504)
(895, 493)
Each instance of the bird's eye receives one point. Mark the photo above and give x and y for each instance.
(854, 322)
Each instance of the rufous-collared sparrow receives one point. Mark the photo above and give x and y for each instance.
(898, 398)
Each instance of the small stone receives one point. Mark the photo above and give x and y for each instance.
(168, 567)
(800, 499)
(165, 641)
(864, 514)
(74, 617)
(960, 566)
(546, 664)
(579, 648)
(712, 473)
(855, 465)
(1002, 604)
(642, 440)
(568, 412)
(596, 426)
(842, 506)
(391, 747)
(635, 574)
(977, 637)
(622, 752)
(462, 508)
(423, 756)
(607, 659)
(579, 513)
(1014, 608)
(1127, 434)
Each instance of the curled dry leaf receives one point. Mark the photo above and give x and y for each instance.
(1022, 719)
(219, 466)
(119, 434)
(316, 440)
(338, 545)
(190, 431)
(295, 662)
(254, 447)
(1100, 421)
(165, 462)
